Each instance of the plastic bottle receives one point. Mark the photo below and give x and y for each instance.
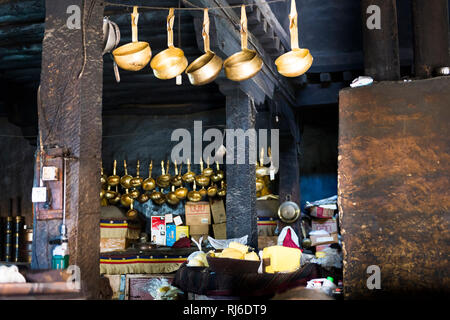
(328, 286)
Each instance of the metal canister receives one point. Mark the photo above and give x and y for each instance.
(17, 238)
(8, 236)
(27, 247)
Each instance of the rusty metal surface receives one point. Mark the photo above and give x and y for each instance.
(393, 182)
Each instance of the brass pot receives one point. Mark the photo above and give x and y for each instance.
(171, 62)
(176, 180)
(109, 194)
(212, 191)
(218, 175)
(132, 213)
(116, 198)
(114, 179)
(134, 194)
(201, 179)
(125, 180)
(172, 198)
(143, 198)
(137, 181)
(163, 181)
(126, 199)
(206, 68)
(245, 64)
(222, 192)
(194, 195)
(297, 61)
(189, 176)
(149, 184)
(135, 55)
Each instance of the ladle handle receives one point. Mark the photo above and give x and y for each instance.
(205, 31)
(244, 35)
(293, 27)
(170, 21)
(134, 22)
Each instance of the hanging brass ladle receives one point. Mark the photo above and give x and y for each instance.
(176, 180)
(245, 64)
(218, 175)
(201, 179)
(172, 198)
(125, 180)
(212, 190)
(159, 197)
(131, 213)
(126, 199)
(135, 55)
(182, 191)
(194, 195)
(116, 198)
(189, 176)
(171, 62)
(206, 68)
(163, 181)
(208, 172)
(109, 194)
(103, 177)
(114, 179)
(137, 181)
(297, 61)
(149, 184)
(222, 192)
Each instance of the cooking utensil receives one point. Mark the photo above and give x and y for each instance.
(125, 180)
(116, 198)
(171, 62)
(218, 175)
(109, 194)
(289, 211)
(212, 190)
(176, 180)
(135, 55)
(143, 197)
(114, 179)
(261, 170)
(201, 179)
(126, 199)
(163, 181)
(103, 177)
(111, 39)
(194, 195)
(206, 68)
(156, 196)
(149, 184)
(189, 176)
(102, 193)
(137, 181)
(245, 64)
(162, 198)
(222, 192)
(172, 198)
(208, 172)
(297, 61)
(131, 213)
(181, 192)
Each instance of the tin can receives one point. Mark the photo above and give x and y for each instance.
(8, 239)
(26, 251)
(17, 238)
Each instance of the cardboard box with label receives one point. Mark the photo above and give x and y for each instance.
(324, 211)
(220, 230)
(197, 213)
(325, 238)
(218, 211)
(182, 232)
(158, 234)
(329, 225)
(199, 229)
(171, 234)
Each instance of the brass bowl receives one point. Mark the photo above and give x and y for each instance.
(133, 56)
(181, 193)
(143, 198)
(116, 199)
(194, 196)
(294, 63)
(158, 197)
(203, 192)
(134, 194)
(126, 200)
(204, 69)
(243, 65)
(136, 182)
(149, 184)
(189, 177)
(212, 191)
(172, 198)
(109, 194)
(125, 181)
(222, 192)
(202, 180)
(169, 63)
(113, 180)
(163, 181)
(208, 172)
(132, 214)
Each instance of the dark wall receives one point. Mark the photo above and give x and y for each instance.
(318, 164)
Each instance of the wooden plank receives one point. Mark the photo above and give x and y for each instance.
(393, 178)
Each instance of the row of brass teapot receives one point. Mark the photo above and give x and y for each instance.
(143, 190)
(240, 66)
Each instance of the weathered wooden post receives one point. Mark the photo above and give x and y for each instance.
(431, 42)
(71, 105)
(380, 37)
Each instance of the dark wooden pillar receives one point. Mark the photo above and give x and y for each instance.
(70, 116)
(431, 42)
(241, 185)
(381, 47)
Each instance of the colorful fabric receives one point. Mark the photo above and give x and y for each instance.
(111, 228)
(266, 226)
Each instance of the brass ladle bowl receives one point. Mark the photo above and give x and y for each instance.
(102, 193)
(171, 62)
(114, 179)
(181, 192)
(245, 64)
(116, 199)
(203, 192)
(208, 172)
(205, 68)
(194, 195)
(109, 194)
(189, 176)
(149, 184)
(218, 175)
(103, 177)
(297, 61)
(134, 193)
(137, 181)
(143, 197)
(155, 196)
(201, 179)
(160, 198)
(222, 192)
(172, 198)
(163, 181)
(135, 55)
(212, 191)
(131, 213)
(125, 180)
(126, 199)
(176, 180)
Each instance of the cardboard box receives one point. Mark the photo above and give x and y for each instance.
(199, 229)
(171, 234)
(158, 234)
(220, 230)
(182, 232)
(322, 247)
(112, 244)
(322, 212)
(218, 211)
(197, 213)
(329, 225)
(267, 241)
(324, 239)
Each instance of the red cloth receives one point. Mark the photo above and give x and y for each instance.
(288, 242)
(184, 242)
